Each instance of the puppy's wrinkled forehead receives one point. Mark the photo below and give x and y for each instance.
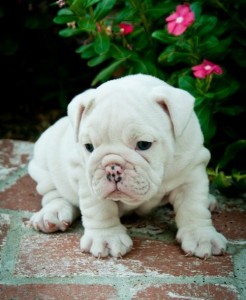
(123, 105)
(138, 99)
(123, 112)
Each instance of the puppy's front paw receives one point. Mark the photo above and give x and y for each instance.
(53, 217)
(103, 242)
(201, 241)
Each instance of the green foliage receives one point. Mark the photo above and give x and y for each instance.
(217, 35)
(92, 28)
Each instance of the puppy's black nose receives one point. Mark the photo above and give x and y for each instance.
(114, 172)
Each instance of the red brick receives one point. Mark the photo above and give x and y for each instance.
(21, 195)
(53, 292)
(163, 258)
(13, 155)
(188, 291)
(60, 255)
(231, 224)
(4, 228)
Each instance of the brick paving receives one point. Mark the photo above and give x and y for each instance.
(35, 265)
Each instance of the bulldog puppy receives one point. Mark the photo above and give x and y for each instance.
(131, 144)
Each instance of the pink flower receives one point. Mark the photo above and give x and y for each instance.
(178, 22)
(61, 3)
(126, 28)
(206, 68)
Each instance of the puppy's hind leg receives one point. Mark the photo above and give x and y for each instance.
(57, 214)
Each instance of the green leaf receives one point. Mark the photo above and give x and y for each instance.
(91, 2)
(164, 37)
(222, 181)
(187, 83)
(97, 60)
(199, 100)
(65, 12)
(225, 89)
(205, 25)
(139, 40)
(172, 56)
(64, 16)
(231, 151)
(78, 7)
(87, 51)
(163, 8)
(210, 95)
(204, 114)
(126, 14)
(68, 32)
(119, 52)
(106, 73)
(103, 8)
(214, 47)
(101, 43)
(144, 66)
(64, 19)
(87, 24)
(209, 43)
(196, 8)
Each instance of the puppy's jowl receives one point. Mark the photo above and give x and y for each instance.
(125, 147)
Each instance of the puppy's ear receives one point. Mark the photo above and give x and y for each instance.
(77, 108)
(178, 103)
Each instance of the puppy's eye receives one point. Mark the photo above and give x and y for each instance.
(89, 147)
(143, 145)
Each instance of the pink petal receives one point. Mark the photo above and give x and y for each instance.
(179, 29)
(214, 68)
(200, 74)
(207, 62)
(184, 12)
(190, 18)
(172, 17)
(201, 71)
(218, 70)
(126, 28)
(183, 9)
(197, 68)
(171, 27)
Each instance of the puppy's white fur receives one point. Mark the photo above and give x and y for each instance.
(147, 149)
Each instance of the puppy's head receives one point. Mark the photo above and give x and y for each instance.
(127, 129)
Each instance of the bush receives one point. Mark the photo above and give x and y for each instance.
(200, 48)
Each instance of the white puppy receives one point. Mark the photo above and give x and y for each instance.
(130, 145)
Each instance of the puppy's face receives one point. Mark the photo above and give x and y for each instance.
(126, 139)
(125, 145)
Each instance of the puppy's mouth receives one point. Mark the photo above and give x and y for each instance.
(128, 187)
(119, 196)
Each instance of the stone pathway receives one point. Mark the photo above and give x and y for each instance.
(51, 266)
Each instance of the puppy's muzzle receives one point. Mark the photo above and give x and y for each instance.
(114, 172)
